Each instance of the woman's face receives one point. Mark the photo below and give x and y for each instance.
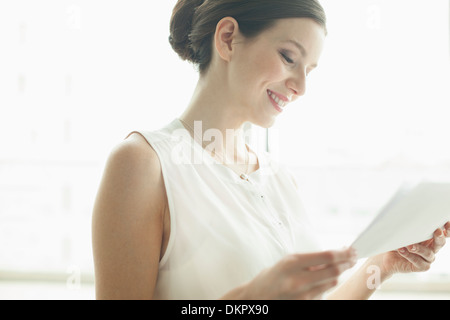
(270, 71)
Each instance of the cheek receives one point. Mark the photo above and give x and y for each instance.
(274, 72)
(269, 67)
(260, 73)
(270, 73)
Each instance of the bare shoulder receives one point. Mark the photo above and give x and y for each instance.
(136, 149)
(128, 221)
(133, 170)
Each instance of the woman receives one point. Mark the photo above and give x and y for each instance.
(178, 218)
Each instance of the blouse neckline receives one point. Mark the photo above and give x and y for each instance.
(256, 176)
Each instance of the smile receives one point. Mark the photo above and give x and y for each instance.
(277, 101)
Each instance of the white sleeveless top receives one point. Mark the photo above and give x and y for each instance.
(223, 230)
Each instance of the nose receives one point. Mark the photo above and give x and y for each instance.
(297, 84)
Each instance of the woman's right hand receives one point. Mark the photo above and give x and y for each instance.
(299, 276)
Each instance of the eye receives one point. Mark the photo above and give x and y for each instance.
(286, 57)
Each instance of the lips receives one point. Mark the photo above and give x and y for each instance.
(280, 100)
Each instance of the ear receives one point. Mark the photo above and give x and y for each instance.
(227, 30)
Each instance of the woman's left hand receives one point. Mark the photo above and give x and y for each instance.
(414, 258)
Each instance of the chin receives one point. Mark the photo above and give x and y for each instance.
(264, 123)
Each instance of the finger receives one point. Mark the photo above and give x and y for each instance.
(325, 258)
(329, 272)
(417, 261)
(447, 229)
(438, 240)
(425, 252)
(304, 281)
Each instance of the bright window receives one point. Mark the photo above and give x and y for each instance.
(75, 78)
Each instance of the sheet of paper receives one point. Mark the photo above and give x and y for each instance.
(410, 217)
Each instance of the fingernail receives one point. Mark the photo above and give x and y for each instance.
(402, 250)
(413, 248)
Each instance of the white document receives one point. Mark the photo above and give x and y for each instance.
(410, 217)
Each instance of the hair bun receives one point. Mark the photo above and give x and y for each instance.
(181, 27)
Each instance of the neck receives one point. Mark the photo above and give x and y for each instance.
(218, 124)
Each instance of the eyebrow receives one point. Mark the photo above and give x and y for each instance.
(301, 48)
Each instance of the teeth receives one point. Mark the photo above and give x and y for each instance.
(280, 102)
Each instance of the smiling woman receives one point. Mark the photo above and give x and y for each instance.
(170, 229)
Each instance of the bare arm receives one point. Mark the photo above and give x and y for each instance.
(128, 223)
(362, 284)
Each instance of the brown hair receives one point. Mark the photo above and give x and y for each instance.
(194, 22)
